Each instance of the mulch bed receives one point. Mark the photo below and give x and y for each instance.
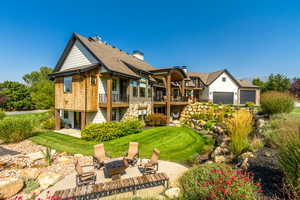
(265, 168)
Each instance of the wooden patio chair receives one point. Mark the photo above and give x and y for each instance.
(99, 156)
(133, 153)
(84, 178)
(151, 167)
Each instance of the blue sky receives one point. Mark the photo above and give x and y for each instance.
(248, 37)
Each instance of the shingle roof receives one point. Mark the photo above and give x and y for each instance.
(207, 78)
(247, 84)
(114, 58)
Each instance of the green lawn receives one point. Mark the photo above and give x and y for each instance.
(35, 117)
(296, 111)
(176, 144)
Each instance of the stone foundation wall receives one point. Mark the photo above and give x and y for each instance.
(133, 109)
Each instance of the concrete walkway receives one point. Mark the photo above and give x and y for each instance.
(69, 131)
(173, 170)
(25, 112)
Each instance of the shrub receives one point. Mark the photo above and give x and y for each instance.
(48, 123)
(111, 130)
(274, 102)
(131, 126)
(48, 156)
(218, 181)
(15, 129)
(249, 104)
(156, 119)
(2, 115)
(239, 127)
(256, 144)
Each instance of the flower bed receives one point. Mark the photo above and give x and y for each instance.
(218, 181)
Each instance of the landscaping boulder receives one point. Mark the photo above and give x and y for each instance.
(47, 179)
(35, 156)
(64, 160)
(247, 155)
(173, 193)
(219, 159)
(30, 173)
(10, 186)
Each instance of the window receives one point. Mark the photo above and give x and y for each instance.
(149, 92)
(175, 92)
(134, 88)
(224, 79)
(114, 85)
(142, 87)
(93, 80)
(66, 114)
(114, 115)
(142, 92)
(68, 84)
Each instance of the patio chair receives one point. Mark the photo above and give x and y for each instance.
(84, 178)
(151, 167)
(99, 156)
(133, 153)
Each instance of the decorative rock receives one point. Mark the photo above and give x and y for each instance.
(65, 159)
(47, 179)
(35, 156)
(78, 155)
(30, 173)
(247, 155)
(219, 159)
(245, 164)
(173, 193)
(10, 187)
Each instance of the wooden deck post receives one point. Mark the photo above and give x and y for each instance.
(57, 119)
(83, 120)
(168, 97)
(109, 99)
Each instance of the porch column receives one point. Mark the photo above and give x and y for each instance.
(109, 99)
(83, 120)
(168, 97)
(57, 119)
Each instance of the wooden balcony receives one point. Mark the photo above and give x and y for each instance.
(179, 100)
(118, 100)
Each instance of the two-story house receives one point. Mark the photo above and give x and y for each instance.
(97, 82)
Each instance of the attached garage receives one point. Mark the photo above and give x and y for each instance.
(223, 97)
(247, 96)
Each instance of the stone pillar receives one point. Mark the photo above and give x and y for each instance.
(57, 119)
(109, 99)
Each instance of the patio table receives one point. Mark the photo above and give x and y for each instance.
(115, 167)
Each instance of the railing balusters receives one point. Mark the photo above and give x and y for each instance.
(116, 98)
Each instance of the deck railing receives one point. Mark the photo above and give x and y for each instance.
(116, 98)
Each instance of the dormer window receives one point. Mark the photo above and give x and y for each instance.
(68, 84)
(224, 79)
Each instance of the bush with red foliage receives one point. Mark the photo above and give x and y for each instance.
(218, 182)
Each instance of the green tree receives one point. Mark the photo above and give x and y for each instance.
(17, 96)
(278, 82)
(41, 88)
(260, 83)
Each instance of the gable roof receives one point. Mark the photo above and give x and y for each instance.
(113, 59)
(209, 78)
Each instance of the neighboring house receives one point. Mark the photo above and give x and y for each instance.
(222, 88)
(97, 82)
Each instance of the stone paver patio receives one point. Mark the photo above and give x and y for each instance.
(173, 170)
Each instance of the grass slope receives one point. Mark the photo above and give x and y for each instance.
(176, 144)
(296, 111)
